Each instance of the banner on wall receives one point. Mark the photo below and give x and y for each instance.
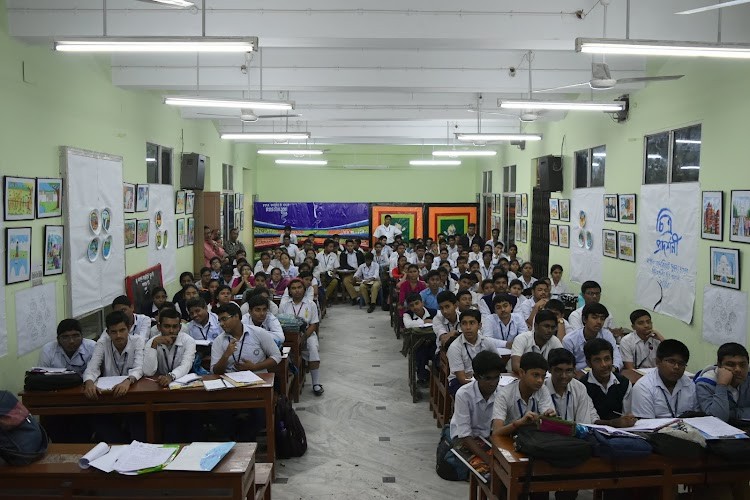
(669, 221)
(586, 224)
(453, 220)
(408, 218)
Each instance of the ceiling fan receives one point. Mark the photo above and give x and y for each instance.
(249, 116)
(719, 5)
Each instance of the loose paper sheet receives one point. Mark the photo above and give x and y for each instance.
(36, 317)
(714, 428)
(108, 383)
(724, 315)
(245, 377)
(200, 456)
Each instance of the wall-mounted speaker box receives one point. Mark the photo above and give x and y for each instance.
(193, 173)
(550, 173)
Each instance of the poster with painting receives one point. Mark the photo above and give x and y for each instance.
(141, 200)
(610, 207)
(48, 197)
(130, 233)
(519, 208)
(626, 246)
(517, 230)
(191, 231)
(712, 224)
(554, 209)
(179, 202)
(242, 201)
(189, 202)
(524, 205)
(609, 247)
(564, 236)
(18, 253)
(53, 250)
(565, 210)
(626, 208)
(236, 220)
(524, 230)
(725, 267)
(180, 233)
(242, 220)
(141, 233)
(20, 198)
(739, 219)
(128, 197)
(554, 238)
(237, 203)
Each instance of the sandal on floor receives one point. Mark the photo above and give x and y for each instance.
(318, 390)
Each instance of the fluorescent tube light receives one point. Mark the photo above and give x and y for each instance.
(366, 167)
(690, 167)
(291, 152)
(561, 106)
(172, 3)
(720, 5)
(434, 163)
(599, 155)
(662, 48)
(266, 136)
(207, 102)
(150, 160)
(302, 162)
(457, 154)
(687, 141)
(497, 137)
(654, 156)
(158, 44)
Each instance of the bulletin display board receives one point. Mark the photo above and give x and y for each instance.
(139, 286)
(408, 218)
(450, 220)
(161, 200)
(92, 183)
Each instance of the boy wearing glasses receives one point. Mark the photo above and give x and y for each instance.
(241, 347)
(665, 392)
(592, 294)
(569, 396)
(70, 351)
(639, 347)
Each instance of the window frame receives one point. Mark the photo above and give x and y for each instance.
(160, 150)
(227, 177)
(509, 174)
(670, 154)
(589, 166)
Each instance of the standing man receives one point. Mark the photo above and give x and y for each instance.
(232, 245)
(471, 237)
(211, 248)
(386, 229)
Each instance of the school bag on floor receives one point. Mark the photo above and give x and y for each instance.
(291, 440)
(22, 439)
(447, 465)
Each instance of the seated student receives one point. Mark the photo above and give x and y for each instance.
(349, 262)
(368, 278)
(276, 257)
(504, 325)
(417, 315)
(400, 251)
(558, 308)
(463, 350)
(311, 285)
(226, 277)
(522, 402)
(475, 254)
(243, 282)
(117, 353)
(277, 284)
(465, 301)
(443, 257)
(527, 275)
(498, 253)
(291, 248)
(412, 284)
(447, 321)
(570, 397)
(557, 287)
(241, 347)
(539, 298)
(723, 390)
(665, 392)
(610, 392)
(186, 278)
(542, 339)
(429, 261)
(224, 295)
(513, 254)
(260, 280)
(485, 266)
(499, 286)
(204, 324)
(263, 292)
(462, 265)
(264, 264)
(70, 351)
(328, 265)
(638, 348)
(139, 323)
(215, 265)
(429, 294)
(515, 288)
(307, 311)
(169, 355)
(515, 268)
(158, 300)
(446, 281)
(213, 287)
(504, 264)
(259, 316)
(189, 292)
(288, 270)
(486, 286)
(466, 282)
(594, 316)
(398, 273)
(592, 293)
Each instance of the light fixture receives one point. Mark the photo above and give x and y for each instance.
(291, 152)
(451, 153)
(366, 167)
(599, 155)
(662, 48)
(595, 164)
(687, 141)
(484, 137)
(715, 6)
(266, 136)
(172, 3)
(301, 162)
(434, 163)
(208, 102)
(690, 167)
(562, 105)
(654, 156)
(158, 44)
(150, 160)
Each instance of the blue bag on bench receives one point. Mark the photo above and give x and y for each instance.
(618, 447)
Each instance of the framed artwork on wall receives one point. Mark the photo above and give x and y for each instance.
(49, 192)
(739, 219)
(141, 200)
(554, 209)
(190, 231)
(128, 197)
(626, 246)
(53, 250)
(18, 254)
(609, 243)
(554, 238)
(19, 194)
(524, 205)
(141, 238)
(610, 207)
(725, 267)
(408, 218)
(626, 207)
(564, 236)
(524, 230)
(190, 202)
(712, 215)
(179, 203)
(180, 233)
(130, 230)
(565, 210)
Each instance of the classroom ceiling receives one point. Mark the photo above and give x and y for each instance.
(393, 72)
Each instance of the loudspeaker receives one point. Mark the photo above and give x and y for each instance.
(192, 175)
(550, 173)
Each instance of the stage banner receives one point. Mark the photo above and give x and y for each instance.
(668, 233)
(348, 220)
(586, 224)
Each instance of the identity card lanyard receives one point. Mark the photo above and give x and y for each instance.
(567, 404)
(635, 355)
(120, 368)
(505, 334)
(166, 359)
(533, 406)
(676, 402)
(242, 345)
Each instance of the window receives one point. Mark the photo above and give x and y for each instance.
(590, 167)
(487, 181)
(509, 179)
(93, 323)
(227, 177)
(673, 156)
(158, 164)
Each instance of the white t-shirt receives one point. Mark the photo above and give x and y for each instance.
(510, 406)
(390, 232)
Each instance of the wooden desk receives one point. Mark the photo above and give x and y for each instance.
(58, 476)
(414, 338)
(293, 339)
(147, 397)
(281, 370)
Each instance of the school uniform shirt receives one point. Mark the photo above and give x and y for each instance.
(327, 261)
(259, 268)
(291, 272)
(557, 290)
(209, 331)
(525, 308)
(292, 250)
(475, 256)
(442, 325)
(390, 232)
(527, 284)
(292, 238)
(496, 258)
(452, 252)
(272, 308)
(504, 333)
(722, 401)
(472, 414)
(271, 324)
(306, 310)
(510, 406)
(574, 405)
(141, 326)
(576, 319)
(486, 271)
(461, 353)
(309, 293)
(574, 342)
(256, 345)
(154, 331)
(53, 356)
(485, 306)
(511, 275)
(608, 396)
(414, 320)
(371, 273)
(381, 260)
(430, 299)
(652, 399)
(175, 360)
(524, 342)
(107, 361)
(642, 353)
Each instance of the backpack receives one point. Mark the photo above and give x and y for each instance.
(678, 440)
(40, 381)
(22, 439)
(557, 450)
(290, 322)
(618, 447)
(447, 465)
(731, 450)
(291, 440)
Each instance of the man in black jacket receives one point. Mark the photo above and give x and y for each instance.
(349, 261)
(470, 238)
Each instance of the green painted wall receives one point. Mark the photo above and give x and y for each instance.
(714, 94)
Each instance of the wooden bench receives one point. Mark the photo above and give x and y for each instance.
(263, 476)
(444, 397)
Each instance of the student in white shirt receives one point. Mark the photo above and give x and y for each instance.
(594, 316)
(571, 400)
(592, 293)
(311, 287)
(387, 229)
(486, 268)
(485, 303)
(241, 347)
(527, 275)
(447, 322)
(535, 303)
(665, 392)
(513, 254)
(367, 277)
(140, 324)
(204, 325)
(638, 348)
(288, 271)
(504, 325)
(462, 351)
(563, 327)
(288, 234)
(328, 264)
(476, 253)
(259, 316)
(264, 264)
(610, 392)
(381, 257)
(70, 351)
(542, 339)
(558, 287)
(515, 288)
(171, 354)
(498, 253)
(291, 249)
(522, 402)
(307, 311)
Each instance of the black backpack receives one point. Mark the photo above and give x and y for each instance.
(291, 440)
(39, 381)
(22, 439)
(555, 449)
(731, 450)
